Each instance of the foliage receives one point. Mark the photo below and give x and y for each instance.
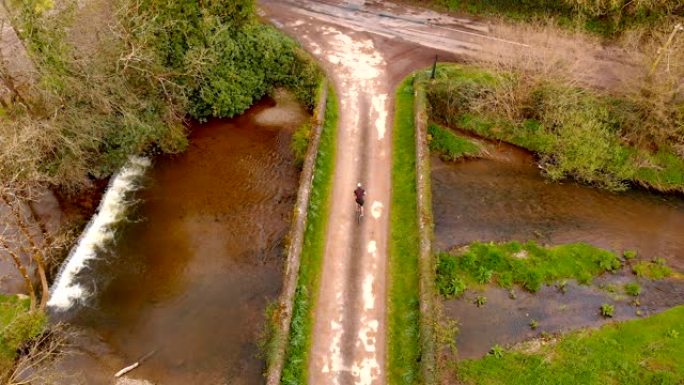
(448, 145)
(633, 289)
(629, 254)
(534, 324)
(480, 300)
(300, 142)
(497, 351)
(527, 264)
(594, 138)
(630, 353)
(607, 310)
(403, 309)
(129, 90)
(18, 325)
(604, 17)
(295, 368)
(656, 269)
(267, 341)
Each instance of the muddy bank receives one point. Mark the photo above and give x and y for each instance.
(505, 320)
(193, 269)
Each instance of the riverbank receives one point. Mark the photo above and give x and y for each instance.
(643, 351)
(594, 138)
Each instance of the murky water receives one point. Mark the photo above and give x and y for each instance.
(506, 198)
(491, 200)
(189, 278)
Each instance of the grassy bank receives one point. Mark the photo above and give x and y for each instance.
(299, 342)
(607, 141)
(403, 306)
(645, 351)
(448, 145)
(17, 326)
(526, 264)
(603, 17)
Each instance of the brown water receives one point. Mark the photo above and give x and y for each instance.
(506, 198)
(190, 277)
(492, 200)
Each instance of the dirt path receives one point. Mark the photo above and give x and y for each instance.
(366, 48)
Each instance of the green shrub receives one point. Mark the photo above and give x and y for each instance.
(448, 145)
(633, 289)
(656, 269)
(607, 310)
(18, 325)
(300, 142)
(629, 254)
(161, 62)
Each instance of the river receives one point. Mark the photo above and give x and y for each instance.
(195, 264)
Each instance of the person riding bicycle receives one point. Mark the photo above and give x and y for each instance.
(360, 193)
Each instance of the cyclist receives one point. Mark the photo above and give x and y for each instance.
(360, 193)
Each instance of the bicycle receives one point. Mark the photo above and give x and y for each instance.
(359, 212)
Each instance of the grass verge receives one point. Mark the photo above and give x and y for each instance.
(448, 145)
(598, 139)
(605, 18)
(404, 311)
(526, 264)
(17, 326)
(645, 351)
(299, 342)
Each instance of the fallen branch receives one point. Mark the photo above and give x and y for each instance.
(134, 365)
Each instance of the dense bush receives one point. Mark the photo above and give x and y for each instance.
(154, 64)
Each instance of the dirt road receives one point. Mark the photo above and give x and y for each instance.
(366, 47)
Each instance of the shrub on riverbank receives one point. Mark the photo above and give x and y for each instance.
(595, 138)
(527, 264)
(645, 351)
(604, 17)
(448, 145)
(124, 82)
(17, 326)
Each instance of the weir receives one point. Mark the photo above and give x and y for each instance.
(66, 291)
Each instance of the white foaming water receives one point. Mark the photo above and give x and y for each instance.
(98, 232)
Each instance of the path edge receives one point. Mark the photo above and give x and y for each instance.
(425, 227)
(274, 368)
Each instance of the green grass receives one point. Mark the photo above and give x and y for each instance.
(633, 289)
(17, 325)
(605, 18)
(576, 132)
(527, 264)
(403, 308)
(639, 352)
(295, 368)
(656, 269)
(448, 145)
